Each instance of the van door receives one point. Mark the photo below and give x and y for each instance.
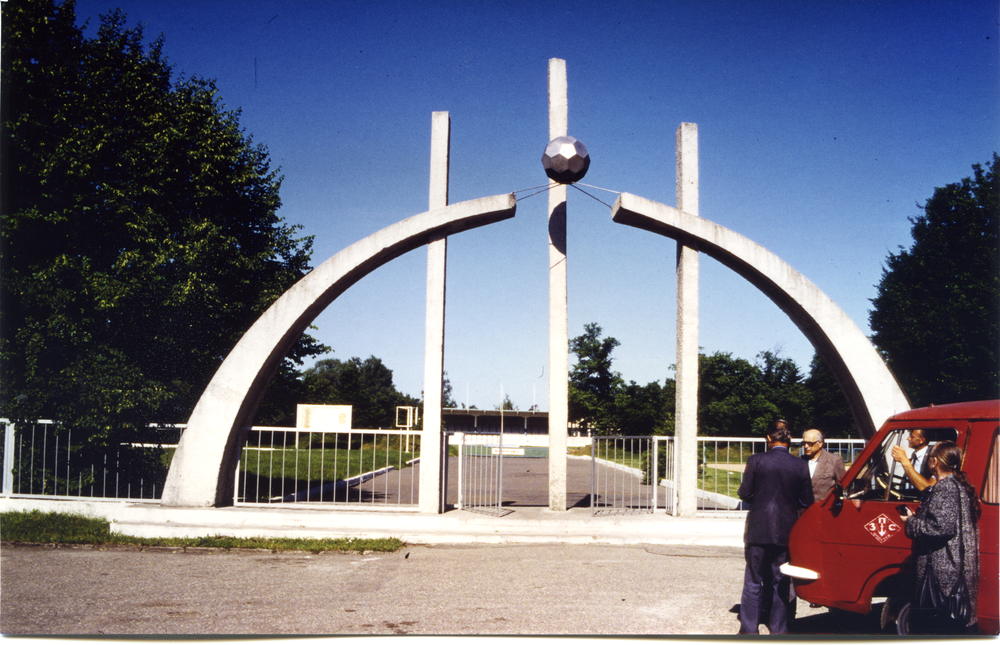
(989, 538)
(863, 538)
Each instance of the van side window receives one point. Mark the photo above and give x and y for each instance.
(882, 477)
(991, 487)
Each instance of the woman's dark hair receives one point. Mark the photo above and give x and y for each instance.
(949, 455)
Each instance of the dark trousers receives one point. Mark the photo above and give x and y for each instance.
(767, 593)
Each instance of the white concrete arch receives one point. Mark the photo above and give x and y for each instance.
(202, 472)
(870, 388)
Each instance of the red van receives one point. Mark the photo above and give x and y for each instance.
(850, 547)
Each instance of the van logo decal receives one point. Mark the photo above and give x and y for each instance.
(882, 528)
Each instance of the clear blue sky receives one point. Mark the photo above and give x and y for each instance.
(822, 126)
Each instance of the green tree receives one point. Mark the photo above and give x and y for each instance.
(507, 404)
(643, 410)
(828, 407)
(731, 397)
(447, 396)
(140, 233)
(936, 315)
(366, 385)
(785, 388)
(593, 386)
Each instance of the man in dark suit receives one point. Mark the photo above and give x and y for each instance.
(776, 485)
(825, 468)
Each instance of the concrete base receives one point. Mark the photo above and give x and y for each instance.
(523, 525)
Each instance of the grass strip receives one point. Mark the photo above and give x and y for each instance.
(68, 528)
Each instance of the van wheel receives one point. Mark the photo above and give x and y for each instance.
(890, 609)
(903, 620)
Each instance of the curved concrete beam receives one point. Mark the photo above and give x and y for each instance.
(202, 472)
(870, 388)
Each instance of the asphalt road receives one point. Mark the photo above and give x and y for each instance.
(531, 590)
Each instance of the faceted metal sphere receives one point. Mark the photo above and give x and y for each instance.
(565, 160)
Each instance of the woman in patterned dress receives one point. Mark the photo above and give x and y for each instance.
(948, 510)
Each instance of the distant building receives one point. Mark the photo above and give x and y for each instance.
(514, 421)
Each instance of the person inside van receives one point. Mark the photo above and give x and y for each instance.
(916, 464)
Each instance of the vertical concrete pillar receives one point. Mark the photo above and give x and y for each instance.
(558, 324)
(431, 463)
(686, 419)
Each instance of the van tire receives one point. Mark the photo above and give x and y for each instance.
(903, 620)
(890, 609)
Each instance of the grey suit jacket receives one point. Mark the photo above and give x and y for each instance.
(829, 470)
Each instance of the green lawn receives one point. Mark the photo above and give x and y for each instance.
(268, 473)
(65, 528)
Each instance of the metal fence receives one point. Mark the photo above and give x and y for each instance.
(44, 459)
(721, 461)
(625, 469)
(370, 468)
(480, 472)
(625, 472)
(373, 468)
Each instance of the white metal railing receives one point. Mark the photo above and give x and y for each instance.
(371, 468)
(721, 461)
(42, 459)
(625, 471)
(480, 472)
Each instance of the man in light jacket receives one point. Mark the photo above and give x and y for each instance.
(825, 468)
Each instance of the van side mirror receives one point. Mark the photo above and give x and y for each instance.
(838, 496)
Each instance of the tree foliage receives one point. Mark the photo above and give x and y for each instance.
(592, 383)
(140, 232)
(506, 404)
(828, 408)
(735, 398)
(366, 385)
(936, 315)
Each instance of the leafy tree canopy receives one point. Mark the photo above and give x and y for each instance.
(592, 383)
(936, 315)
(828, 407)
(366, 385)
(507, 404)
(736, 397)
(140, 233)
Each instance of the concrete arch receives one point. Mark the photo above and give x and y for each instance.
(870, 388)
(202, 472)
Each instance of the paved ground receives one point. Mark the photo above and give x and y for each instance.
(446, 589)
(532, 571)
(525, 483)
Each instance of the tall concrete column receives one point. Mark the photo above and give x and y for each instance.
(686, 419)
(558, 325)
(437, 256)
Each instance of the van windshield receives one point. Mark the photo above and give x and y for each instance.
(882, 477)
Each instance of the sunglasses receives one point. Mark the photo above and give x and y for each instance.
(810, 443)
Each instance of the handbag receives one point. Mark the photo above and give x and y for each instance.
(952, 611)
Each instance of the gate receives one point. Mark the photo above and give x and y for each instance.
(627, 473)
(480, 472)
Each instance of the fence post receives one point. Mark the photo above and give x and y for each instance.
(461, 463)
(656, 469)
(8, 460)
(593, 472)
(445, 442)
